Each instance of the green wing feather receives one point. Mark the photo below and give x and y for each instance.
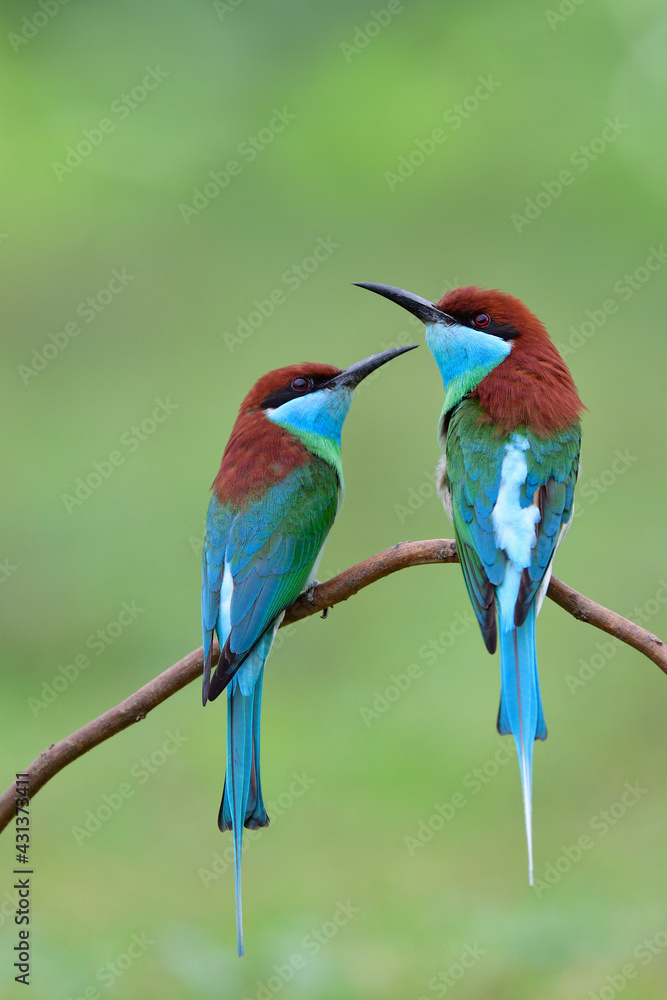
(553, 466)
(475, 453)
(270, 548)
(474, 460)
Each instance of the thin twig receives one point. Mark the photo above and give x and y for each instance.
(325, 595)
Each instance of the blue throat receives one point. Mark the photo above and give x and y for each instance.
(464, 357)
(322, 412)
(317, 420)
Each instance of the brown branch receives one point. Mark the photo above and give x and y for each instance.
(325, 595)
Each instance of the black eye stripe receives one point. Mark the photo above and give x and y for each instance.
(293, 390)
(505, 331)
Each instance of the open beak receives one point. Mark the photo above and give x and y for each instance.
(424, 310)
(353, 375)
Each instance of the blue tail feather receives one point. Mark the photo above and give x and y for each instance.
(237, 782)
(255, 812)
(520, 712)
(255, 815)
(242, 803)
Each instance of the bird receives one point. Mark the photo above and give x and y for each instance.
(510, 432)
(274, 499)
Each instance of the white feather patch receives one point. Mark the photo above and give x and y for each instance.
(226, 591)
(316, 565)
(544, 586)
(441, 485)
(514, 525)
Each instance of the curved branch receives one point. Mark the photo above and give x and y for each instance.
(325, 595)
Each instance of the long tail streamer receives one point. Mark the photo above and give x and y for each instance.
(520, 711)
(242, 803)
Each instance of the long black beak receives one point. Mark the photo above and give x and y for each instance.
(353, 375)
(424, 310)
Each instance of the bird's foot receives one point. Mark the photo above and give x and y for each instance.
(310, 590)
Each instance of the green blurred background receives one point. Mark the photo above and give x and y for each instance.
(357, 89)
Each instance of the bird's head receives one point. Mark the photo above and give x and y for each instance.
(312, 398)
(490, 345)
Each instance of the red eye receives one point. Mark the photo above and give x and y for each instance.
(482, 319)
(300, 384)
